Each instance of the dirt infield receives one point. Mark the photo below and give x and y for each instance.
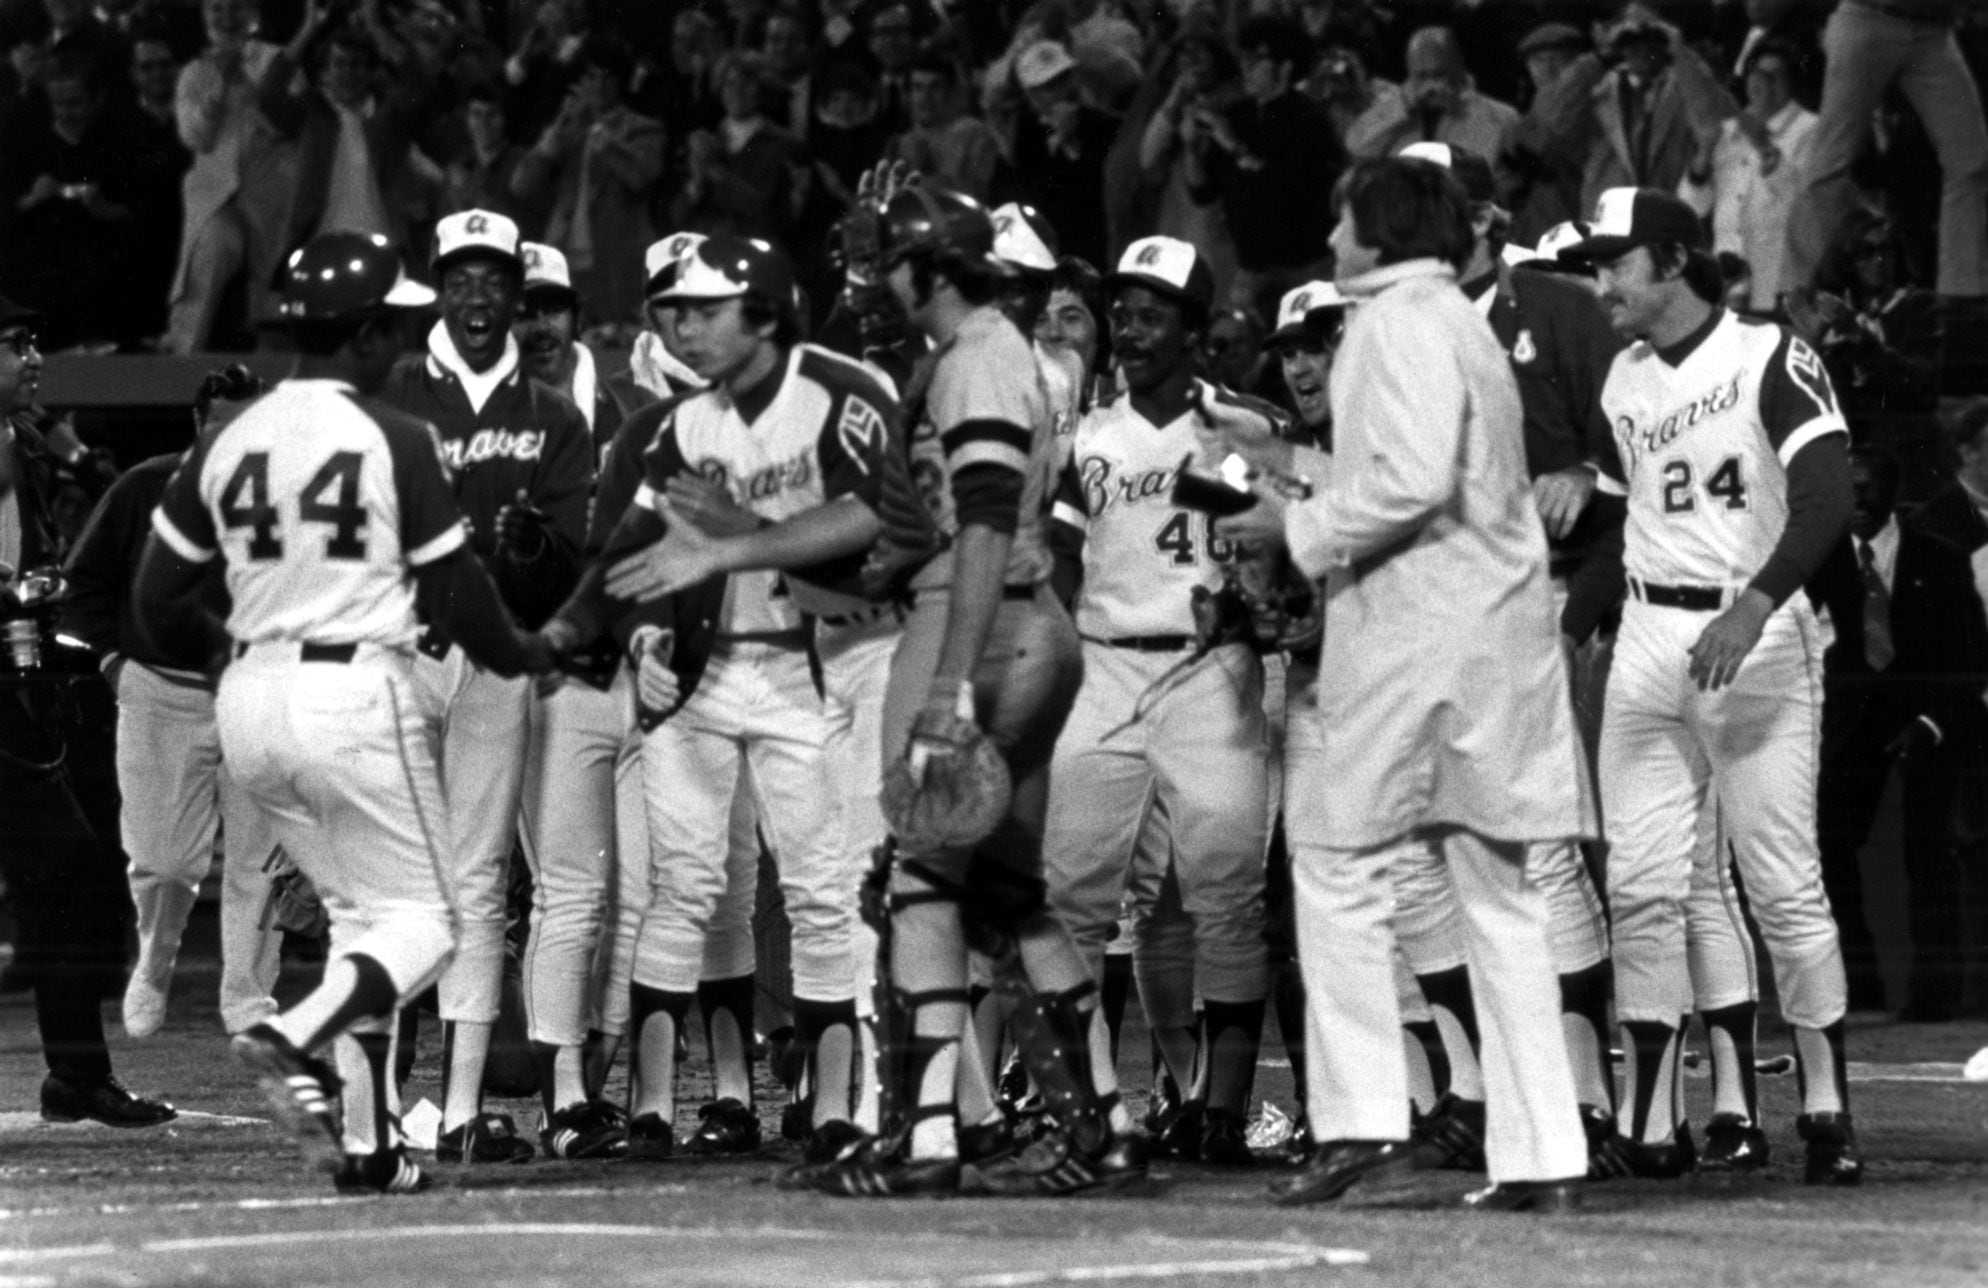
(219, 1198)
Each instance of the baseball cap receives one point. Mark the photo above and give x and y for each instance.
(660, 261)
(12, 314)
(1168, 265)
(1551, 35)
(1023, 238)
(474, 232)
(546, 271)
(1626, 218)
(1042, 63)
(726, 268)
(1295, 312)
(1471, 170)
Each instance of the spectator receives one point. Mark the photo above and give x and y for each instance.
(1202, 73)
(77, 29)
(597, 163)
(1879, 335)
(1233, 355)
(1641, 123)
(790, 66)
(481, 174)
(1070, 321)
(1340, 81)
(1437, 104)
(543, 69)
(214, 107)
(1272, 161)
(1549, 178)
(154, 73)
(1872, 45)
(743, 175)
(1755, 169)
(685, 96)
(91, 200)
(943, 143)
(1060, 151)
(353, 141)
(889, 38)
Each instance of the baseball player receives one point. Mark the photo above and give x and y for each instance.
(521, 458)
(985, 636)
(654, 369)
(795, 435)
(1165, 720)
(176, 794)
(1451, 735)
(1734, 459)
(332, 519)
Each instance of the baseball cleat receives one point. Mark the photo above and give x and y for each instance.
(1224, 1139)
(1732, 1144)
(1452, 1136)
(486, 1138)
(1336, 1165)
(1832, 1144)
(106, 1102)
(985, 1142)
(1177, 1131)
(829, 1141)
(384, 1171)
(879, 1169)
(1056, 1164)
(1547, 1198)
(144, 1004)
(592, 1129)
(650, 1138)
(725, 1127)
(298, 1088)
(1624, 1157)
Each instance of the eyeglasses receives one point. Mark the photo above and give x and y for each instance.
(21, 342)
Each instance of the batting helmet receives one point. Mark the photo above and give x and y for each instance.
(926, 219)
(339, 275)
(726, 268)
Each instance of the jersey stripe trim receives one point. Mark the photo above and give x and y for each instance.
(1071, 516)
(1608, 485)
(442, 546)
(969, 432)
(182, 545)
(1817, 428)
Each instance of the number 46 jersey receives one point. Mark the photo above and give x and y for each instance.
(1705, 438)
(319, 504)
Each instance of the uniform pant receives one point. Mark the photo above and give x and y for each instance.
(1867, 53)
(580, 736)
(341, 756)
(481, 721)
(756, 705)
(1193, 744)
(855, 666)
(176, 794)
(1670, 755)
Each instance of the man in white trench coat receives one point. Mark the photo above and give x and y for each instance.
(1449, 738)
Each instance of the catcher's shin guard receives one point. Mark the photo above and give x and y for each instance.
(1052, 1035)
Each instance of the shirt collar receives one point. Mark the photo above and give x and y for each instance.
(443, 359)
(1374, 281)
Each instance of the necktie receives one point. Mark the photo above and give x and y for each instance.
(1878, 649)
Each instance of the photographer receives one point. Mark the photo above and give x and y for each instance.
(1437, 105)
(1272, 162)
(67, 884)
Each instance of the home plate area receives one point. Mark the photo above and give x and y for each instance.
(493, 1253)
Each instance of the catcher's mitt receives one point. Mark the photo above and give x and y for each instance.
(294, 904)
(950, 790)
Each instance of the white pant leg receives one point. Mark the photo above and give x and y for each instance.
(567, 818)
(1355, 1065)
(168, 759)
(217, 250)
(1763, 735)
(1655, 784)
(483, 770)
(1428, 922)
(787, 739)
(628, 894)
(729, 946)
(855, 664)
(1532, 1121)
(1577, 930)
(251, 952)
(1719, 945)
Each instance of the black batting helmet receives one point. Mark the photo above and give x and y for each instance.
(934, 221)
(340, 275)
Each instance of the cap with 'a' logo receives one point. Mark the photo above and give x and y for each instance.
(545, 269)
(661, 261)
(1168, 265)
(1023, 238)
(474, 232)
(724, 268)
(1308, 311)
(1626, 218)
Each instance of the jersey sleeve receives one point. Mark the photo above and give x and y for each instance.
(430, 521)
(662, 462)
(182, 520)
(1797, 402)
(853, 440)
(1070, 507)
(983, 411)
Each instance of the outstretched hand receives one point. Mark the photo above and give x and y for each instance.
(684, 557)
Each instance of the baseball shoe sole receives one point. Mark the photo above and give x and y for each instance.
(299, 1090)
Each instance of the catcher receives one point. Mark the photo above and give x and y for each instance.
(988, 656)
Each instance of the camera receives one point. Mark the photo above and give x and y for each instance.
(28, 609)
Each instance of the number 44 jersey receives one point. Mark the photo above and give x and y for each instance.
(1705, 431)
(319, 503)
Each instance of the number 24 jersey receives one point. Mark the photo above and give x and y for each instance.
(319, 504)
(1705, 440)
